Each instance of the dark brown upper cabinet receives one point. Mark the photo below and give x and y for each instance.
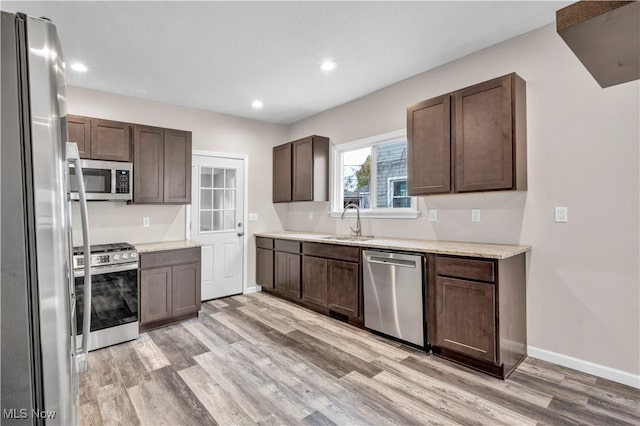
(472, 140)
(301, 170)
(429, 147)
(110, 140)
(282, 173)
(79, 130)
(604, 37)
(177, 167)
(99, 139)
(490, 136)
(161, 166)
(148, 164)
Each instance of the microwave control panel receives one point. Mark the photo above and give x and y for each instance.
(122, 181)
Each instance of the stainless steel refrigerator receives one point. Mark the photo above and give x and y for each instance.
(40, 360)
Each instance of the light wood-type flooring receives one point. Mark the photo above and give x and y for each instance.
(258, 359)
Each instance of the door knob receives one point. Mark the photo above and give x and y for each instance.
(240, 234)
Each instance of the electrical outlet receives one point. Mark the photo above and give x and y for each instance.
(562, 214)
(433, 215)
(475, 215)
(146, 222)
(253, 217)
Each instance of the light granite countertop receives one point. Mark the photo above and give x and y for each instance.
(166, 245)
(489, 251)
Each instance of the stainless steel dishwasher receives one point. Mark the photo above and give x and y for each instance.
(393, 295)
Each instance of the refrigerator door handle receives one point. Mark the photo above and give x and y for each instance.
(73, 156)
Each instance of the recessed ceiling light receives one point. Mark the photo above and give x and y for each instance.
(328, 65)
(257, 104)
(77, 66)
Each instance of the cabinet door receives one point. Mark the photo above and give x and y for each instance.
(315, 281)
(79, 131)
(155, 295)
(343, 287)
(264, 267)
(281, 274)
(429, 146)
(282, 173)
(148, 165)
(465, 317)
(294, 275)
(483, 136)
(110, 140)
(186, 289)
(302, 170)
(177, 167)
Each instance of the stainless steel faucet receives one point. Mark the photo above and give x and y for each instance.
(358, 230)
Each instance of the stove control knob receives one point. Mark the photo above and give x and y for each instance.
(125, 256)
(134, 255)
(116, 257)
(94, 260)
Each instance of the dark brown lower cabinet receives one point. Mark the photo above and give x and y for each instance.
(466, 317)
(319, 276)
(287, 274)
(264, 267)
(315, 281)
(186, 289)
(331, 278)
(169, 286)
(480, 312)
(343, 287)
(156, 295)
(476, 308)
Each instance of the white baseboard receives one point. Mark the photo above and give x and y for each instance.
(586, 366)
(250, 290)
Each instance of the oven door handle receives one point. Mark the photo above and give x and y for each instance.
(73, 157)
(106, 269)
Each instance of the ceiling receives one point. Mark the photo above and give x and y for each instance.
(220, 56)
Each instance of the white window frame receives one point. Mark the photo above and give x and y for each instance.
(390, 182)
(336, 183)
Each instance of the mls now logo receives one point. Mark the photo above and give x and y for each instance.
(23, 413)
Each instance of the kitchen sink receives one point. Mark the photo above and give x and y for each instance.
(347, 238)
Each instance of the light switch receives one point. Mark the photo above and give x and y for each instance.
(433, 215)
(310, 215)
(146, 222)
(253, 217)
(562, 214)
(475, 215)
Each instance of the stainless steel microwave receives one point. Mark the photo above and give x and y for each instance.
(104, 180)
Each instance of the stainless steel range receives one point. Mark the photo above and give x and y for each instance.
(114, 296)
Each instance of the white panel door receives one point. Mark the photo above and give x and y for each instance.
(217, 213)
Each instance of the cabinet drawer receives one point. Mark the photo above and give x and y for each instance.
(332, 251)
(266, 243)
(460, 267)
(171, 257)
(288, 246)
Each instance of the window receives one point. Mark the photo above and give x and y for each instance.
(217, 199)
(372, 174)
(397, 190)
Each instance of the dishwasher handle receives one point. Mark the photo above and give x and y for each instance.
(392, 262)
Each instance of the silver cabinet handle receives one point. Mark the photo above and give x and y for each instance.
(82, 355)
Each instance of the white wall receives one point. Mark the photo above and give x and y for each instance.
(115, 221)
(583, 276)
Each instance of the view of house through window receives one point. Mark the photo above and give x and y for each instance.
(376, 176)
